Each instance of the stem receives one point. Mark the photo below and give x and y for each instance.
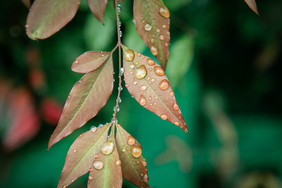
(119, 62)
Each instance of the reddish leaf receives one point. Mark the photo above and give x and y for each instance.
(89, 61)
(51, 110)
(152, 23)
(148, 84)
(46, 17)
(133, 164)
(252, 4)
(98, 8)
(26, 3)
(82, 153)
(106, 170)
(85, 100)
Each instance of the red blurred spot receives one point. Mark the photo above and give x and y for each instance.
(51, 111)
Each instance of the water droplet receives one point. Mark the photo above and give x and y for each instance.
(136, 151)
(143, 88)
(144, 163)
(90, 178)
(74, 150)
(118, 163)
(107, 148)
(164, 84)
(166, 44)
(141, 72)
(93, 129)
(186, 130)
(150, 62)
(98, 165)
(164, 26)
(154, 50)
(146, 178)
(152, 41)
(126, 85)
(175, 107)
(176, 123)
(120, 33)
(164, 12)
(162, 37)
(119, 8)
(159, 71)
(129, 55)
(131, 140)
(171, 93)
(150, 98)
(164, 117)
(123, 150)
(136, 63)
(147, 27)
(142, 101)
(134, 82)
(76, 62)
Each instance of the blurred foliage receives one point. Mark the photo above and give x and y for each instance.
(225, 66)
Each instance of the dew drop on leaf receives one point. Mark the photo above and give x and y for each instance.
(147, 27)
(159, 71)
(90, 178)
(143, 88)
(136, 151)
(164, 12)
(144, 163)
(164, 84)
(162, 37)
(176, 123)
(175, 107)
(98, 165)
(131, 140)
(164, 117)
(76, 62)
(150, 62)
(142, 101)
(118, 163)
(74, 150)
(129, 55)
(146, 178)
(171, 93)
(154, 50)
(140, 72)
(107, 148)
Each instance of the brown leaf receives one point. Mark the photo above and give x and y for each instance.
(152, 23)
(26, 3)
(147, 83)
(46, 17)
(133, 164)
(98, 8)
(82, 153)
(106, 169)
(252, 4)
(89, 61)
(85, 100)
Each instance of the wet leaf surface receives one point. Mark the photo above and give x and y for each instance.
(98, 8)
(85, 100)
(252, 4)
(152, 23)
(82, 153)
(148, 84)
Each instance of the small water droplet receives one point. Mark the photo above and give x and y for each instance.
(98, 165)
(131, 140)
(171, 93)
(136, 151)
(120, 33)
(118, 163)
(146, 178)
(158, 30)
(129, 55)
(150, 98)
(144, 163)
(164, 26)
(141, 72)
(135, 82)
(164, 12)
(150, 61)
(175, 107)
(159, 71)
(154, 50)
(107, 148)
(152, 41)
(143, 88)
(138, 54)
(90, 178)
(162, 37)
(94, 129)
(76, 62)
(186, 130)
(123, 150)
(126, 85)
(176, 123)
(164, 117)
(142, 100)
(147, 27)
(166, 44)
(164, 84)
(119, 8)
(74, 150)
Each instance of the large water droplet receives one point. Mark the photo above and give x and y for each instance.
(150, 62)
(159, 71)
(140, 72)
(154, 50)
(129, 55)
(131, 140)
(164, 12)
(164, 84)
(164, 117)
(136, 151)
(175, 107)
(146, 178)
(147, 27)
(176, 123)
(107, 148)
(142, 101)
(98, 165)
(76, 62)
(118, 163)
(162, 37)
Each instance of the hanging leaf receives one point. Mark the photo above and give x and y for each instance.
(147, 83)
(85, 100)
(106, 169)
(252, 4)
(89, 61)
(82, 153)
(46, 17)
(133, 164)
(98, 8)
(152, 23)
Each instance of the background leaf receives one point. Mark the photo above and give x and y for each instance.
(46, 17)
(252, 4)
(98, 8)
(147, 82)
(152, 23)
(133, 164)
(26, 3)
(85, 100)
(82, 153)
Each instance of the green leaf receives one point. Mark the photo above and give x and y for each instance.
(252, 4)
(133, 164)
(152, 23)
(46, 17)
(89, 61)
(98, 8)
(106, 169)
(81, 154)
(85, 100)
(147, 83)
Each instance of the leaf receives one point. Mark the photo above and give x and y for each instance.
(252, 4)
(152, 23)
(85, 100)
(89, 61)
(106, 169)
(98, 8)
(46, 17)
(81, 154)
(133, 164)
(148, 84)
(26, 3)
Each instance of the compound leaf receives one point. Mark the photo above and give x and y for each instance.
(82, 153)
(133, 164)
(85, 100)
(89, 61)
(98, 8)
(147, 83)
(152, 23)
(46, 17)
(252, 4)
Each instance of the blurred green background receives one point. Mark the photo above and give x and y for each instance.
(225, 68)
